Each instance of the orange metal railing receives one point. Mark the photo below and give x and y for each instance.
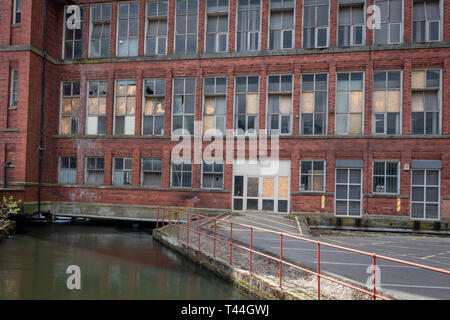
(168, 219)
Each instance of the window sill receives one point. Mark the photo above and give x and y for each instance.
(12, 108)
(11, 130)
(15, 25)
(312, 193)
(386, 195)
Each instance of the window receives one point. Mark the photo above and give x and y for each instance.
(215, 107)
(387, 102)
(95, 170)
(125, 107)
(182, 174)
(279, 110)
(100, 30)
(391, 20)
(17, 11)
(425, 194)
(186, 26)
(312, 175)
(349, 104)
(154, 107)
(128, 25)
(351, 29)
(70, 107)
(315, 23)
(73, 38)
(248, 25)
(426, 21)
(426, 102)
(314, 102)
(386, 176)
(246, 104)
(212, 175)
(123, 171)
(151, 172)
(348, 195)
(217, 26)
(281, 33)
(13, 99)
(67, 170)
(156, 42)
(184, 105)
(96, 114)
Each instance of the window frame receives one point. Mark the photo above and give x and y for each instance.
(217, 14)
(86, 169)
(398, 162)
(400, 120)
(235, 128)
(213, 173)
(67, 169)
(150, 171)
(349, 113)
(425, 188)
(157, 96)
(128, 29)
(88, 82)
(18, 11)
(282, 10)
(247, 31)
(315, 26)
(441, 24)
(364, 25)
(63, 49)
(402, 27)
(440, 100)
(14, 79)
(123, 170)
(91, 29)
(61, 107)
(155, 18)
(215, 95)
(126, 104)
(324, 175)
(184, 114)
(280, 93)
(326, 108)
(185, 34)
(182, 162)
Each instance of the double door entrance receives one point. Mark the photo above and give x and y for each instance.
(261, 188)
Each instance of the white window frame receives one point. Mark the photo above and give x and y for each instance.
(425, 188)
(352, 27)
(348, 113)
(247, 31)
(235, 129)
(151, 171)
(67, 169)
(63, 53)
(128, 34)
(361, 184)
(156, 18)
(91, 29)
(184, 94)
(185, 34)
(385, 176)
(441, 24)
(182, 162)
(312, 175)
(98, 103)
(386, 99)
(86, 168)
(280, 93)
(316, 28)
(61, 107)
(14, 80)
(215, 95)
(388, 40)
(125, 115)
(294, 8)
(326, 108)
(217, 14)
(143, 106)
(123, 170)
(15, 11)
(213, 173)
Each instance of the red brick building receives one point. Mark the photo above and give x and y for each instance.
(361, 114)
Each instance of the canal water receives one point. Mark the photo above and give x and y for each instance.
(115, 262)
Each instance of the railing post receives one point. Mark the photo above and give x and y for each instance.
(318, 270)
(231, 242)
(374, 290)
(281, 259)
(178, 225)
(199, 224)
(187, 218)
(157, 217)
(251, 248)
(215, 224)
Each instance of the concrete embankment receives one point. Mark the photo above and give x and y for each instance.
(264, 281)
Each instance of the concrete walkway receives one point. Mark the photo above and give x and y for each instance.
(401, 280)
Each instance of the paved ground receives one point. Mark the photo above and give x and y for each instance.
(406, 281)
